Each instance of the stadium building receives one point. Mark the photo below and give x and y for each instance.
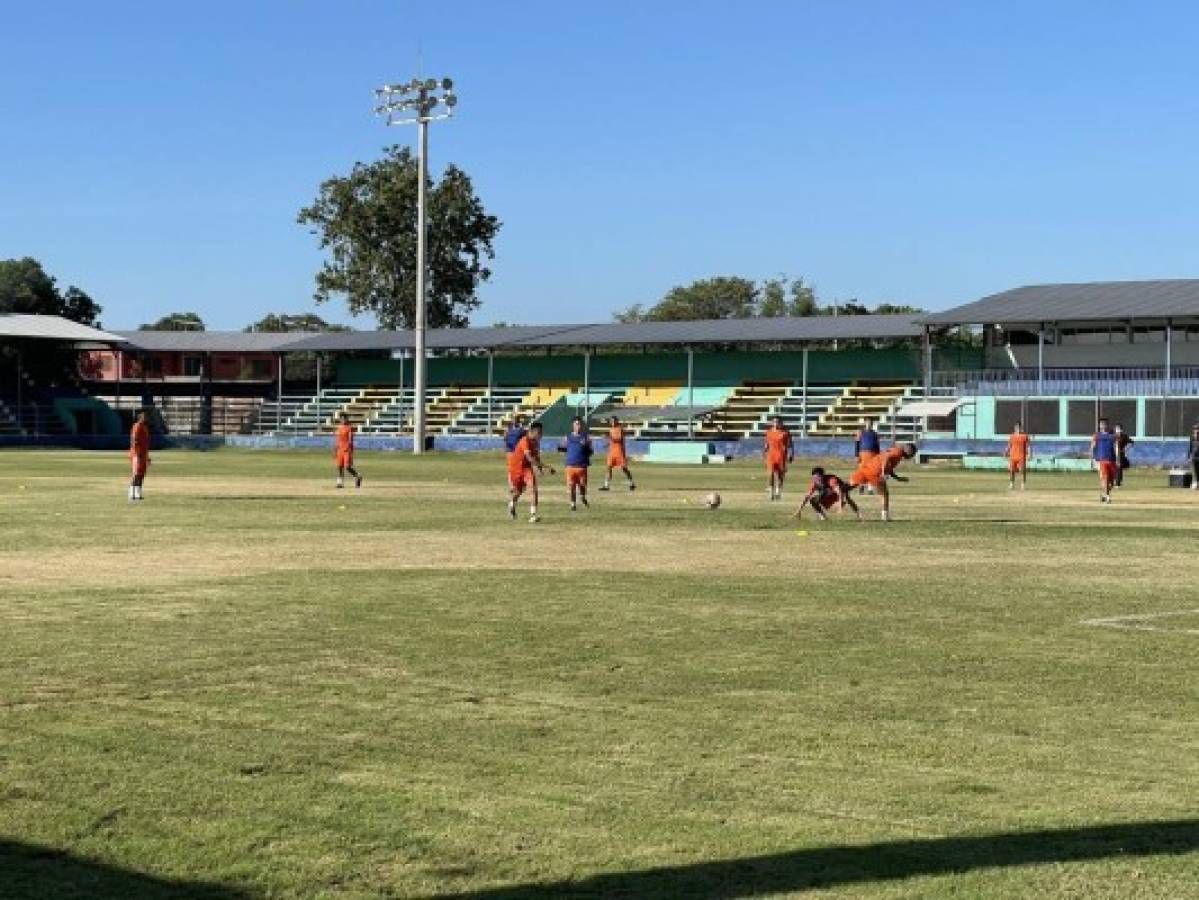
(1052, 356)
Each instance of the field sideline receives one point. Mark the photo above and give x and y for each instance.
(252, 685)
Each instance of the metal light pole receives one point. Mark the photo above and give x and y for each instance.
(418, 102)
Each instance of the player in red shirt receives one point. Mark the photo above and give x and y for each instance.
(139, 455)
(1019, 449)
(778, 450)
(875, 472)
(343, 452)
(825, 491)
(523, 465)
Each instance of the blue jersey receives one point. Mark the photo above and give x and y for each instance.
(1105, 446)
(512, 437)
(868, 441)
(578, 450)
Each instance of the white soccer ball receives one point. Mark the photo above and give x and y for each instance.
(712, 500)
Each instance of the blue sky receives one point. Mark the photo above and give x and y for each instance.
(156, 153)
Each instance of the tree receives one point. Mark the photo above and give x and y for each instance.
(898, 309)
(774, 298)
(180, 321)
(634, 313)
(367, 222)
(803, 299)
(25, 287)
(723, 297)
(845, 308)
(282, 322)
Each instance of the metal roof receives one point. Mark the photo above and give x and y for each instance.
(1100, 300)
(52, 328)
(216, 341)
(715, 331)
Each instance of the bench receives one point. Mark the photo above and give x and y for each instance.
(683, 453)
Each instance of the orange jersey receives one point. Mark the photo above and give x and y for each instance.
(891, 459)
(616, 437)
(518, 463)
(139, 440)
(778, 443)
(1017, 447)
(345, 437)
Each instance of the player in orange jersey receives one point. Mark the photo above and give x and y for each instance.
(139, 455)
(343, 452)
(617, 456)
(826, 491)
(523, 465)
(778, 450)
(875, 471)
(1019, 449)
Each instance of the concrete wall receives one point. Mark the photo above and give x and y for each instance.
(1094, 356)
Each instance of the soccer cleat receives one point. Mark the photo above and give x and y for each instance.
(574, 507)
(632, 487)
(340, 484)
(585, 503)
(358, 481)
(534, 518)
(605, 486)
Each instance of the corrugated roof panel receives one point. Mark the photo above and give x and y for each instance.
(52, 328)
(1175, 298)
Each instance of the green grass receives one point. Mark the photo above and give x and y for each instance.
(252, 685)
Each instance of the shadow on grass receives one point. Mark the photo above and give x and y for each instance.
(823, 867)
(30, 872)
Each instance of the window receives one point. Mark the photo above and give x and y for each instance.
(193, 366)
(1148, 335)
(1170, 418)
(1038, 416)
(260, 369)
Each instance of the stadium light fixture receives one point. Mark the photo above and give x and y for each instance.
(418, 102)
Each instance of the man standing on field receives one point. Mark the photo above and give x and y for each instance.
(617, 457)
(523, 465)
(1106, 456)
(343, 453)
(577, 447)
(1019, 449)
(779, 450)
(139, 455)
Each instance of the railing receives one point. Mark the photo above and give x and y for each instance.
(1183, 381)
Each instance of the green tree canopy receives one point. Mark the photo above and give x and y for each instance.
(367, 224)
(803, 299)
(180, 321)
(774, 298)
(25, 287)
(282, 322)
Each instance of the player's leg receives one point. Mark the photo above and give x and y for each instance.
(1024, 475)
(516, 488)
(629, 476)
(607, 478)
(354, 474)
(341, 475)
(847, 500)
(533, 517)
(884, 494)
(573, 487)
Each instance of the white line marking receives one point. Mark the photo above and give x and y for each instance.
(1144, 622)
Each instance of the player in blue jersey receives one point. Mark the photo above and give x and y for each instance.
(1107, 459)
(516, 430)
(577, 446)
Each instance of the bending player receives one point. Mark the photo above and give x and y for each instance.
(779, 450)
(1019, 449)
(343, 452)
(139, 455)
(1107, 460)
(577, 446)
(523, 465)
(826, 491)
(617, 457)
(875, 471)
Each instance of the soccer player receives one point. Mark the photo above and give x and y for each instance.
(523, 465)
(343, 452)
(1019, 449)
(1193, 452)
(577, 446)
(877, 469)
(826, 491)
(617, 457)
(779, 450)
(516, 430)
(1103, 451)
(866, 445)
(139, 455)
(1123, 442)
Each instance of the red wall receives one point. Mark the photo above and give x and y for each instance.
(101, 365)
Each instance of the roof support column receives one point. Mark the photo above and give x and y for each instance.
(279, 395)
(927, 352)
(1167, 374)
(1041, 359)
(318, 390)
(490, 389)
(586, 385)
(690, 392)
(400, 405)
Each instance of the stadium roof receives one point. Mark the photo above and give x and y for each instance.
(52, 328)
(1100, 300)
(215, 341)
(680, 334)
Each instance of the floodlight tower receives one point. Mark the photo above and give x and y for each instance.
(418, 102)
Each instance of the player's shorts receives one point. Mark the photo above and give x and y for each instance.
(617, 458)
(1017, 465)
(776, 464)
(1108, 470)
(576, 476)
(827, 500)
(344, 459)
(871, 474)
(139, 464)
(521, 479)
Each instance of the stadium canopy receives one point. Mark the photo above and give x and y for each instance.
(53, 328)
(1100, 301)
(784, 330)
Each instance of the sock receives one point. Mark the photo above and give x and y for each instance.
(132, 492)
(533, 510)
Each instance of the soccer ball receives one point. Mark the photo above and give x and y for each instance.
(712, 500)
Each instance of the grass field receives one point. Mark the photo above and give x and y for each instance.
(252, 685)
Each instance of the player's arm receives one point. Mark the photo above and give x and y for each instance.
(790, 449)
(798, 514)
